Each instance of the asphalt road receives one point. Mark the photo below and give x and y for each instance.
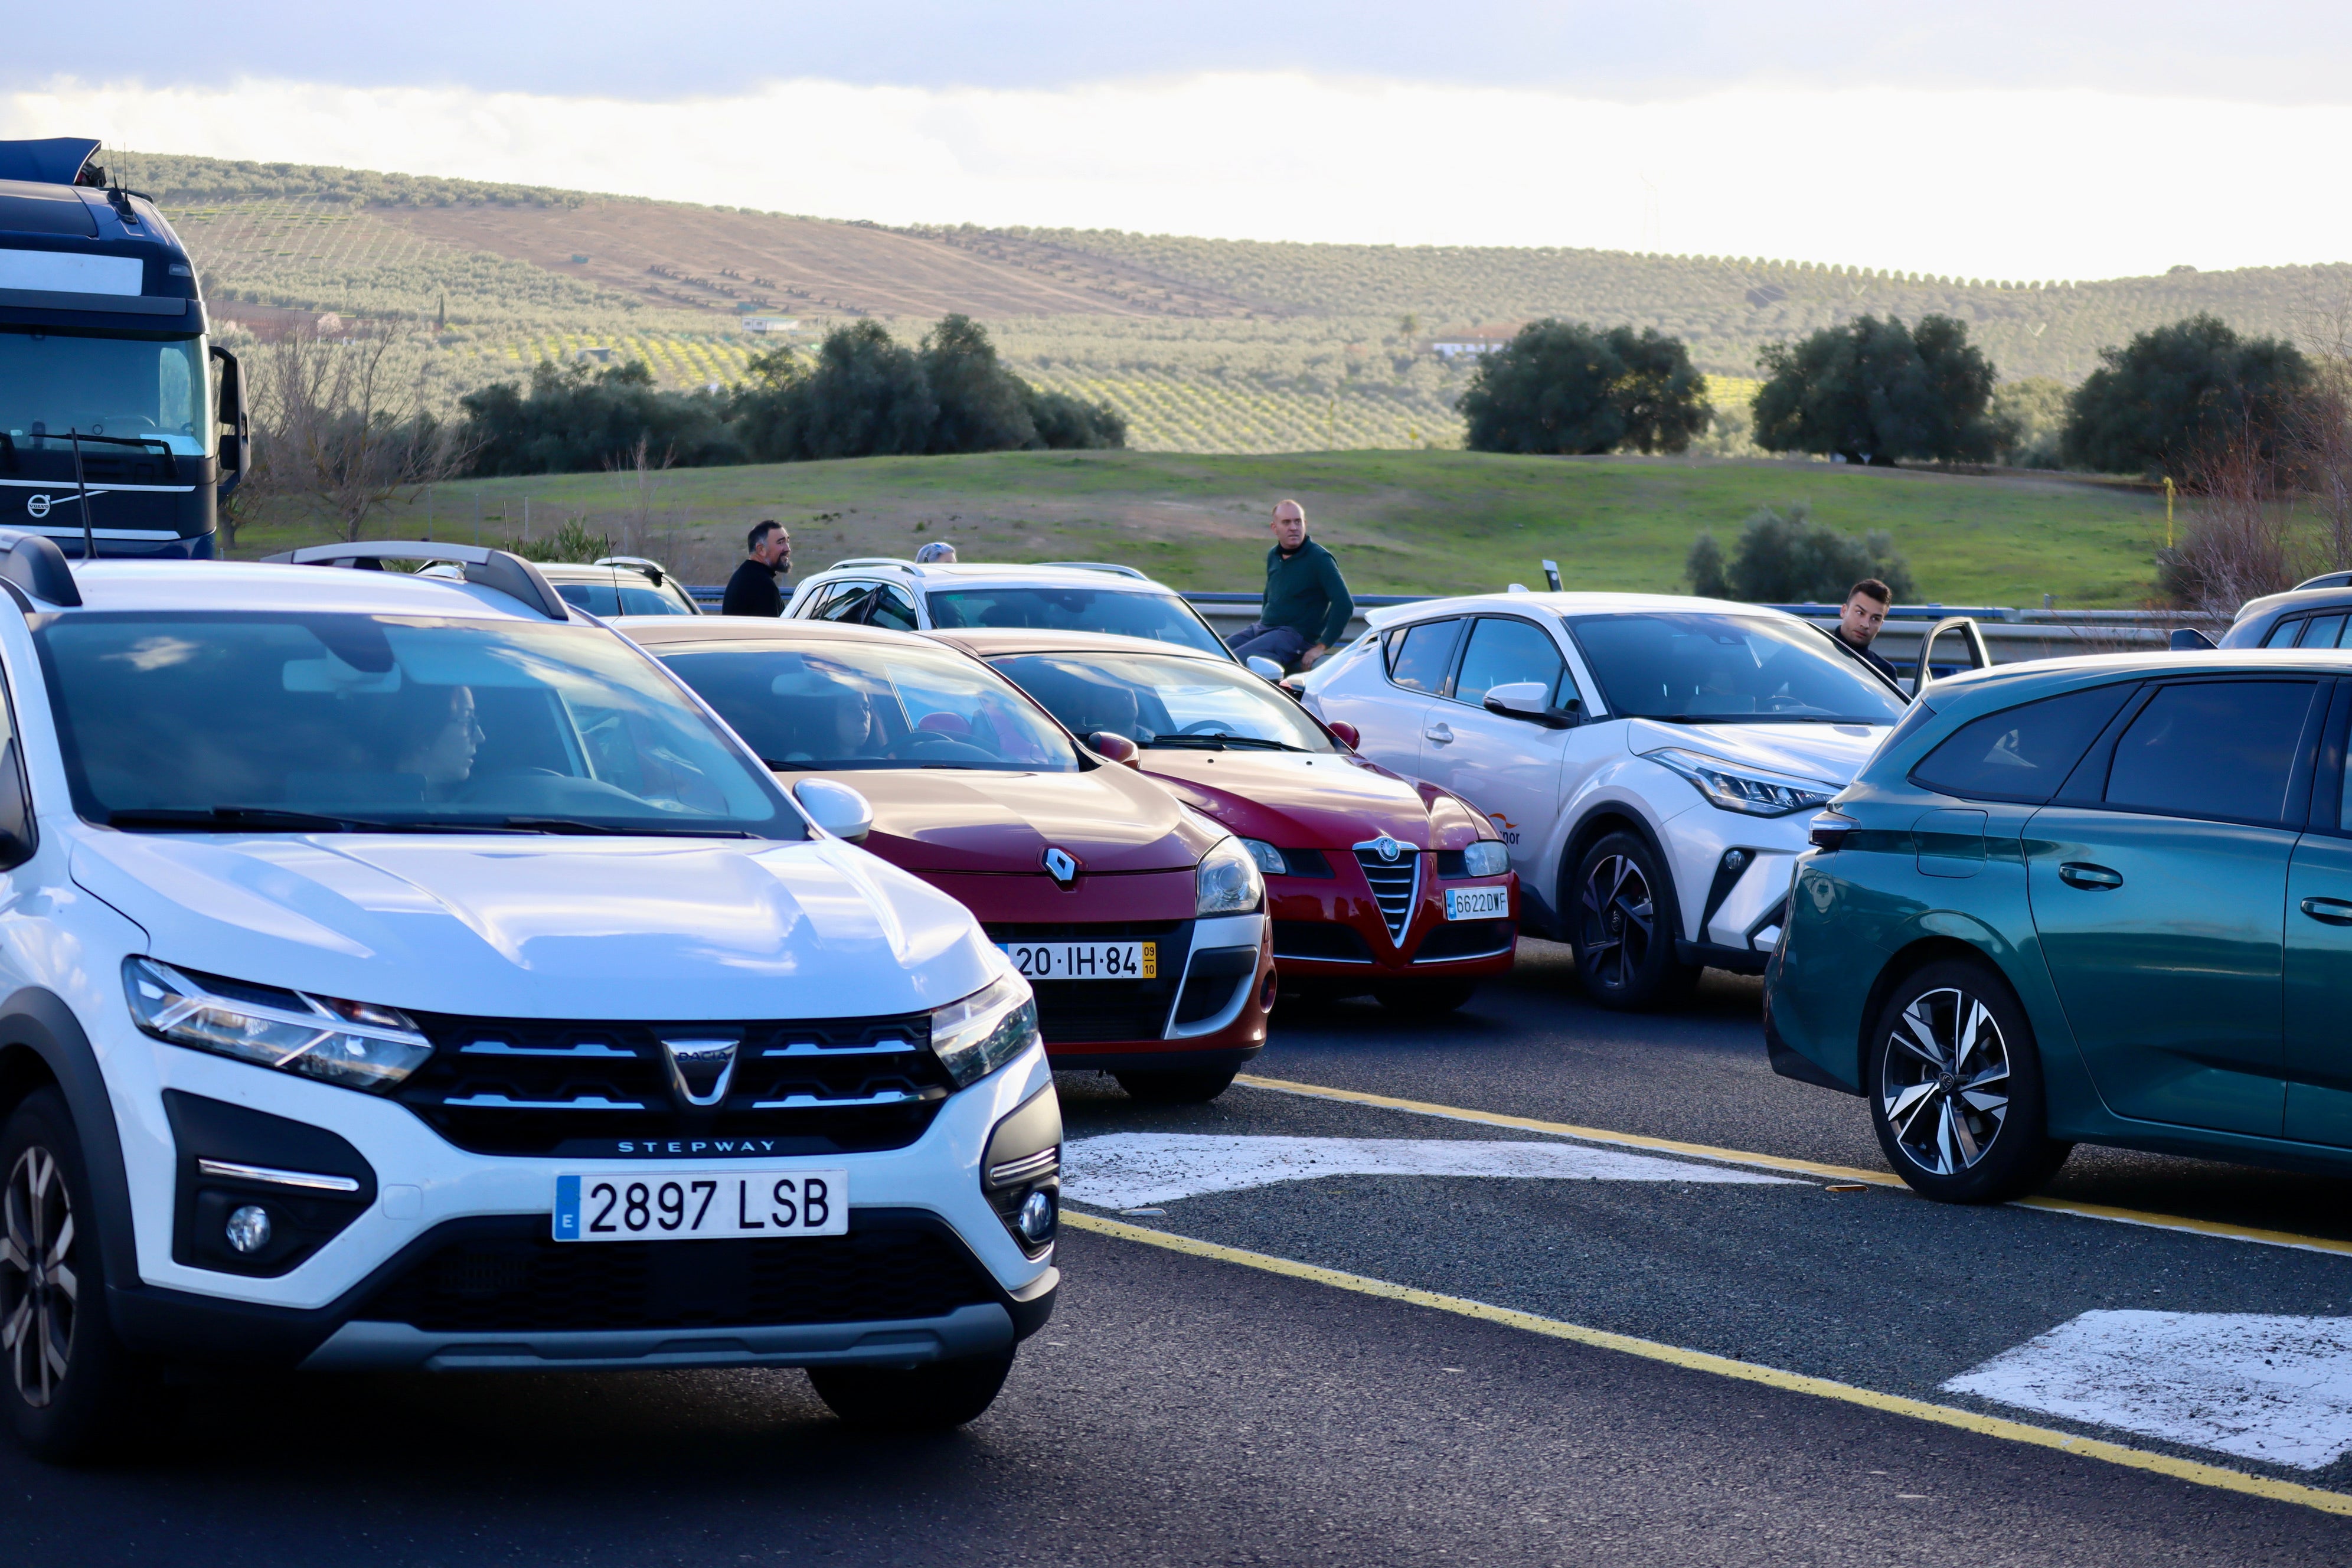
(1183, 1409)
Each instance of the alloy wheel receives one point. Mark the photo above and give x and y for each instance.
(40, 1292)
(1620, 922)
(1945, 1089)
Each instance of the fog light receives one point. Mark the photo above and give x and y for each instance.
(248, 1228)
(1036, 1220)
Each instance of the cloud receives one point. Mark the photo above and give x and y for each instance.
(2024, 184)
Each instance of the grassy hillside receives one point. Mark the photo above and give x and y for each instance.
(1416, 522)
(1206, 345)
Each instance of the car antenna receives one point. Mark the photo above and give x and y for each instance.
(89, 534)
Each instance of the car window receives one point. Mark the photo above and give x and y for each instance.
(2321, 631)
(1165, 700)
(2283, 632)
(840, 603)
(1502, 650)
(625, 598)
(172, 715)
(1419, 656)
(893, 609)
(1700, 665)
(2021, 754)
(865, 708)
(2220, 747)
(1155, 615)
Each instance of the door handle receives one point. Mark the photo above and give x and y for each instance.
(1441, 733)
(2089, 878)
(2332, 911)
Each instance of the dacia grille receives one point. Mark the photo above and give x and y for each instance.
(588, 1089)
(1393, 883)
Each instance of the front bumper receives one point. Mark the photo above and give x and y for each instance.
(1208, 1008)
(1332, 931)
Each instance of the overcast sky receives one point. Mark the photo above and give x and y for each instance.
(2004, 139)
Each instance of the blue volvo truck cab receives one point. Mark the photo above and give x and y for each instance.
(122, 424)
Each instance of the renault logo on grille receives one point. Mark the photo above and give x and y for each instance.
(1387, 849)
(701, 1066)
(1061, 865)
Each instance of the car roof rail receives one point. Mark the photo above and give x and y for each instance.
(1099, 566)
(33, 563)
(501, 571)
(873, 561)
(655, 567)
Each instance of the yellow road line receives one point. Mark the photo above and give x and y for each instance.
(1776, 1162)
(2190, 1470)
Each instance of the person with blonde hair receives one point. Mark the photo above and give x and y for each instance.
(1306, 604)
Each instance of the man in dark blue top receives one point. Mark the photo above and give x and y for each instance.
(1306, 603)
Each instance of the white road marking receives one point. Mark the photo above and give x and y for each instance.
(2270, 1388)
(1120, 1170)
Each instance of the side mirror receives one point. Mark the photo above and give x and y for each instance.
(1347, 734)
(836, 807)
(235, 426)
(1524, 699)
(1113, 747)
(1265, 668)
(2189, 639)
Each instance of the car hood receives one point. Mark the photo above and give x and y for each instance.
(1330, 802)
(553, 927)
(942, 819)
(1833, 754)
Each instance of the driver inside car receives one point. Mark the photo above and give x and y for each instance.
(441, 736)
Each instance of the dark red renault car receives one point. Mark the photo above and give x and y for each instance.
(1141, 925)
(1376, 883)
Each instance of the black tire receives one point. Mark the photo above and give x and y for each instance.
(1955, 1087)
(1197, 1086)
(72, 1390)
(1623, 921)
(1425, 998)
(930, 1398)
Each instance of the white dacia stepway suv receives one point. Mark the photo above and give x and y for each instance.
(409, 973)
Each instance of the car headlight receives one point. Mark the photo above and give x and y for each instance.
(354, 1044)
(1228, 882)
(1747, 791)
(975, 1036)
(1486, 858)
(1269, 860)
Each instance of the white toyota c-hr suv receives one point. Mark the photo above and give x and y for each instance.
(1651, 761)
(400, 972)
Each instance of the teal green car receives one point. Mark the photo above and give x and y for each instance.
(2105, 900)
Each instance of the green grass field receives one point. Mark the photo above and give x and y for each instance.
(1402, 521)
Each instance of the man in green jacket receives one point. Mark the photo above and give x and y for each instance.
(1306, 603)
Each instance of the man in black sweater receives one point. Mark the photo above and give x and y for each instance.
(1860, 618)
(752, 591)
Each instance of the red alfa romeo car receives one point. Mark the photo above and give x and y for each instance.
(1376, 883)
(1141, 925)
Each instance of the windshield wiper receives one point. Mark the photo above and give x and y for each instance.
(1218, 742)
(260, 818)
(642, 830)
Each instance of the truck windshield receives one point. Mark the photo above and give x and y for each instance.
(125, 388)
(187, 720)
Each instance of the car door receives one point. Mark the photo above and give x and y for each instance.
(1388, 700)
(2318, 962)
(1508, 768)
(2158, 881)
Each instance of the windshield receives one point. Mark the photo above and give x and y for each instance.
(1160, 618)
(238, 720)
(873, 707)
(624, 598)
(1727, 669)
(1159, 702)
(123, 388)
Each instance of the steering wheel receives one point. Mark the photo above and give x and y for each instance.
(1208, 727)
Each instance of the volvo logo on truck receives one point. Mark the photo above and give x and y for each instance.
(109, 383)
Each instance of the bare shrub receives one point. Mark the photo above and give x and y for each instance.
(2242, 541)
(334, 426)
